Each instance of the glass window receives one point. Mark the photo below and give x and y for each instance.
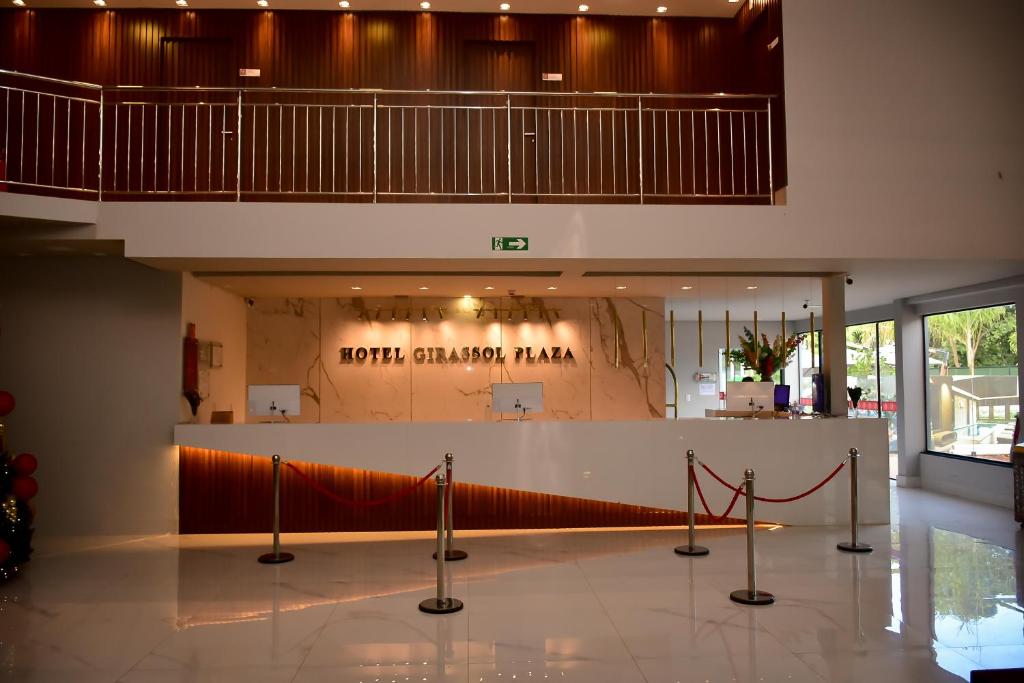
(972, 381)
(871, 369)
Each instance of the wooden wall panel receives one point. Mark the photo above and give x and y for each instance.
(384, 50)
(221, 492)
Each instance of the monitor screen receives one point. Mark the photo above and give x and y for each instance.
(781, 395)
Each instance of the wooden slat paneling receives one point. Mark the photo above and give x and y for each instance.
(222, 492)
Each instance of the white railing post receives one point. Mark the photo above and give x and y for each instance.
(640, 141)
(238, 149)
(771, 176)
(99, 155)
(508, 142)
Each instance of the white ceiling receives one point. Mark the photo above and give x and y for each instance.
(690, 8)
(717, 285)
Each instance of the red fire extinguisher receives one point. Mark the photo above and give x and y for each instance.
(190, 369)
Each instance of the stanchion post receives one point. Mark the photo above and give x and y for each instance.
(854, 546)
(277, 557)
(440, 604)
(450, 553)
(751, 596)
(690, 549)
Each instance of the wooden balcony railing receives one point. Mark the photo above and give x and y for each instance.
(273, 144)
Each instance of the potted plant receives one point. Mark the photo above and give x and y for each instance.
(764, 357)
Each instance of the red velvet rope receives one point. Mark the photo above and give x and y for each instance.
(732, 504)
(401, 493)
(778, 500)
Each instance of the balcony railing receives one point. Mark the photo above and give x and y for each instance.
(274, 144)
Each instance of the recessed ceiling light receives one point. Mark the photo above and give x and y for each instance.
(686, 287)
(100, 3)
(584, 8)
(356, 287)
(620, 286)
(488, 287)
(733, 1)
(424, 5)
(751, 286)
(552, 287)
(504, 7)
(662, 9)
(181, 3)
(19, 3)
(344, 4)
(424, 288)
(263, 3)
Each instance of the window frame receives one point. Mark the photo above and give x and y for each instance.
(924, 360)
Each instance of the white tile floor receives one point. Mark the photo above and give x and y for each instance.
(941, 595)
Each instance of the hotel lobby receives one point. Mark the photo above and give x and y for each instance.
(461, 341)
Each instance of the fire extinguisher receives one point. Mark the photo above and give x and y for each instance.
(190, 369)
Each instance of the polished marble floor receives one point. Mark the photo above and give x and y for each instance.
(941, 595)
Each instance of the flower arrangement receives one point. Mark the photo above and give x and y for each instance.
(762, 356)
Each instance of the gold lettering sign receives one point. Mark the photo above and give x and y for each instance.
(467, 354)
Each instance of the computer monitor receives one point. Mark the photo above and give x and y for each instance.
(750, 396)
(781, 396)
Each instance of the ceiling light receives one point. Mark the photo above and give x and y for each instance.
(181, 3)
(100, 3)
(263, 3)
(424, 5)
(733, 1)
(504, 7)
(19, 3)
(356, 287)
(620, 286)
(344, 4)
(662, 9)
(552, 287)
(424, 288)
(488, 287)
(584, 8)
(751, 286)
(686, 288)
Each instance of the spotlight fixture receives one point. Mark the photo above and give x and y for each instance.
(504, 7)
(424, 5)
(751, 287)
(100, 3)
(392, 315)
(620, 286)
(424, 315)
(686, 288)
(181, 3)
(552, 287)
(424, 288)
(344, 4)
(356, 287)
(584, 8)
(662, 9)
(488, 288)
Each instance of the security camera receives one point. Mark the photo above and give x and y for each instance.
(805, 305)
(250, 302)
(849, 280)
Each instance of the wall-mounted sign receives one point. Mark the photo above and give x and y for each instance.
(550, 77)
(249, 73)
(467, 354)
(510, 243)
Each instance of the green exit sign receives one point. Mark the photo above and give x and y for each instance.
(510, 244)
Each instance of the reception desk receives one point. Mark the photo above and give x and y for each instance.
(639, 462)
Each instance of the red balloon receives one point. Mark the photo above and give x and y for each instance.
(5, 551)
(25, 464)
(24, 488)
(6, 403)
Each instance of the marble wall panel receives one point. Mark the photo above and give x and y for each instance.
(283, 347)
(635, 389)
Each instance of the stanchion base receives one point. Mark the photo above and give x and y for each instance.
(446, 606)
(453, 555)
(271, 558)
(854, 547)
(692, 550)
(745, 597)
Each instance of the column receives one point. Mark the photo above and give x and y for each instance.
(833, 342)
(910, 379)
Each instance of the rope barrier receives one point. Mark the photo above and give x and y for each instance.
(401, 493)
(776, 500)
(716, 518)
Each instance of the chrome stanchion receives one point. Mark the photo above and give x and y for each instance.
(690, 548)
(854, 546)
(277, 557)
(450, 553)
(440, 604)
(751, 596)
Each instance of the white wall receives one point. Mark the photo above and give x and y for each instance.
(219, 316)
(91, 350)
(976, 481)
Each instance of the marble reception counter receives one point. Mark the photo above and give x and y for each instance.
(638, 462)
